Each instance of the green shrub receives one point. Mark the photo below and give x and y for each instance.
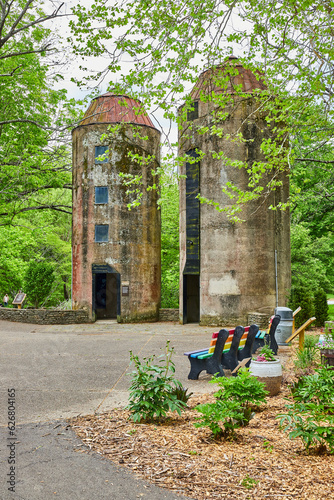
(301, 297)
(310, 415)
(154, 391)
(235, 400)
(38, 282)
(311, 423)
(317, 388)
(320, 307)
(222, 417)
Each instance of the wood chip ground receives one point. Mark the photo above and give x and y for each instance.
(263, 463)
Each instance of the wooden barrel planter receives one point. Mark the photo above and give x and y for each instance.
(327, 357)
(268, 372)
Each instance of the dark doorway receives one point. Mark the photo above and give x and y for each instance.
(106, 293)
(191, 313)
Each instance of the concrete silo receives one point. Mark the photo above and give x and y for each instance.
(229, 270)
(116, 252)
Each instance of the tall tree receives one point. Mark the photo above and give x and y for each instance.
(34, 157)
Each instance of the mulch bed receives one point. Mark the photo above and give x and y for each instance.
(261, 463)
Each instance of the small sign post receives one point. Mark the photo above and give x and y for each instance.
(19, 299)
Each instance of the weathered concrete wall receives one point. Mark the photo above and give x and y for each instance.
(44, 316)
(237, 261)
(134, 245)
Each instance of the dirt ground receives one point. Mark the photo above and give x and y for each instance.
(261, 463)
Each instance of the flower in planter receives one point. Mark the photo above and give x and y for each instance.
(326, 344)
(266, 354)
(326, 341)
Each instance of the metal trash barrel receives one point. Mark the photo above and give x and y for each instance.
(284, 328)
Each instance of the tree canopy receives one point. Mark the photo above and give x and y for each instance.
(34, 117)
(156, 52)
(35, 158)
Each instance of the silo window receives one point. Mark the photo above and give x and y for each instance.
(101, 233)
(101, 155)
(192, 113)
(101, 195)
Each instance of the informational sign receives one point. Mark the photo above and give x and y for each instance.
(19, 298)
(125, 290)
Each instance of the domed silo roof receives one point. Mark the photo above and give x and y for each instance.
(113, 108)
(210, 80)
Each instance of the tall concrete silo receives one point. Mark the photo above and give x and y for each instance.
(116, 252)
(229, 270)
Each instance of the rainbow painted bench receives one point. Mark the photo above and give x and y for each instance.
(229, 347)
(226, 350)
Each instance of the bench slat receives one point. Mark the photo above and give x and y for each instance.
(208, 352)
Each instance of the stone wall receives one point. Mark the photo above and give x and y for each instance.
(56, 317)
(260, 319)
(44, 316)
(169, 315)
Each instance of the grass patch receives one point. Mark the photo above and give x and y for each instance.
(331, 312)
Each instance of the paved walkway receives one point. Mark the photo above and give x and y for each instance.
(61, 371)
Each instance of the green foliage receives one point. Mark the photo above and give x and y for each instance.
(306, 356)
(301, 297)
(169, 242)
(331, 312)
(248, 482)
(235, 400)
(320, 307)
(318, 387)
(311, 423)
(268, 446)
(310, 417)
(38, 281)
(292, 49)
(244, 388)
(311, 259)
(221, 417)
(154, 391)
(44, 235)
(181, 392)
(266, 353)
(35, 159)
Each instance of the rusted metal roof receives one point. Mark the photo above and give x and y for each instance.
(208, 81)
(112, 108)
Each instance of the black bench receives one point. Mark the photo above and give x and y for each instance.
(226, 353)
(229, 347)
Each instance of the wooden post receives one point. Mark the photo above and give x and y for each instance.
(294, 314)
(301, 339)
(301, 333)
